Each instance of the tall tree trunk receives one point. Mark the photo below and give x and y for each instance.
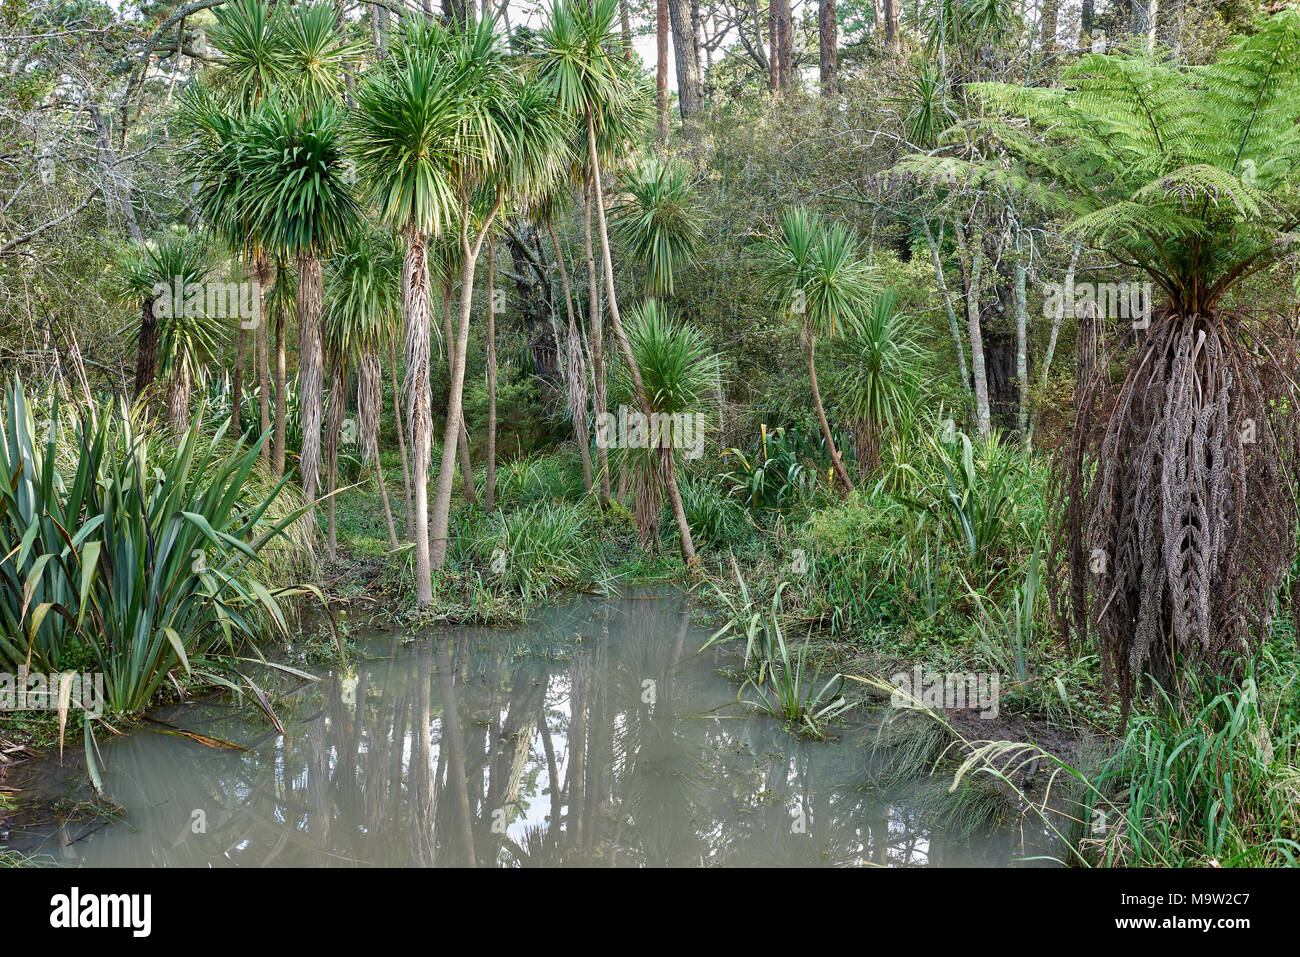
(597, 347)
(311, 379)
(810, 344)
(1059, 315)
(1056, 329)
(401, 441)
(971, 280)
(1086, 21)
(1150, 14)
(490, 487)
(416, 316)
(333, 433)
(455, 399)
(891, 25)
(462, 436)
(455, 743)
(661, 68)
(370, 412)
(828, 42)
(575, 777)
(1051, 12)
(784, 39)
(774, 47)
(576, 391)
(697, 44)
(1022, 337)
(598, 199)
(947, 302)
(688, 64)
(422, 791)
(178, 396)
(146, 349)
(754, 45)
(117, 186)
(379, 28)
(552, 773)
(237, 380)
(262, 270)
(281, 400)
(625, 24)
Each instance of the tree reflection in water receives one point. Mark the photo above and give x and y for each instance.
(597, 736)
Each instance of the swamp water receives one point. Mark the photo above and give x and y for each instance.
(597, 735)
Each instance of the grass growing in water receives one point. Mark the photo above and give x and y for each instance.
(778, 677)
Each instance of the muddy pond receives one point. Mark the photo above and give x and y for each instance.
(597, 735)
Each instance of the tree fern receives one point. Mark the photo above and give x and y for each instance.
(1187, 172)
(1178, 484)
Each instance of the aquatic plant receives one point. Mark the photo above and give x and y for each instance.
(780, 680)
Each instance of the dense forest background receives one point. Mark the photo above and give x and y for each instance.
(980, 317)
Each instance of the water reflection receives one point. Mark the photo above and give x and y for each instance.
(594, 737)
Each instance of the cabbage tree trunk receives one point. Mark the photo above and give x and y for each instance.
(311, 380)
(489, 494)
(416, 316)
(598, 199)
(369, 412)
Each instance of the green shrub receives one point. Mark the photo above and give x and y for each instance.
(539, 548)
(716, 519)
(777, 475)
(982, 496)
(537, 478)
